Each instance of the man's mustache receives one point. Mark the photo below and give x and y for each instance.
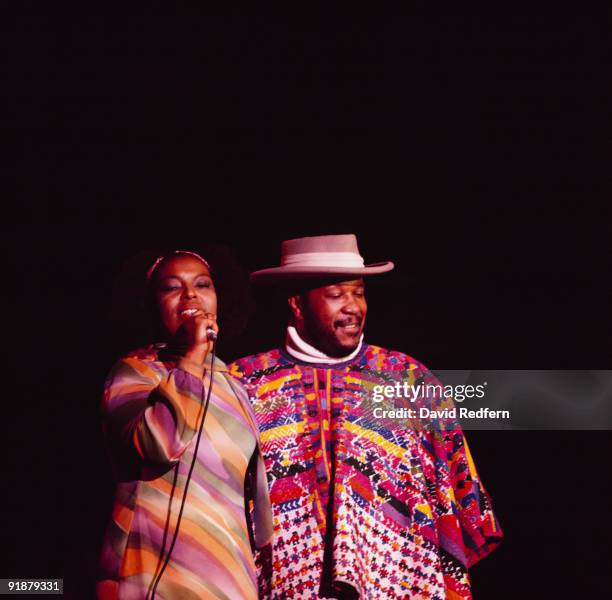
(348, 321)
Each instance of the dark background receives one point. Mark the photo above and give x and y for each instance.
(469, 150)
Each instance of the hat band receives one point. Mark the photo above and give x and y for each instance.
(154, 266)
(323, 259)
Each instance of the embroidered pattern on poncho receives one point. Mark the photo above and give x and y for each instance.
(407, 514)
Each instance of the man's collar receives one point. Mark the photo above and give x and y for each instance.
(296, 347)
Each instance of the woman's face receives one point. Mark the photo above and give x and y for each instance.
(183, 285)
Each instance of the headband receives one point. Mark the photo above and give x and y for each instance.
(159, 259)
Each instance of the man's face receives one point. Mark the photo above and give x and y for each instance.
(331, 317)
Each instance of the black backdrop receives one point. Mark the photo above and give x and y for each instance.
(469, 150)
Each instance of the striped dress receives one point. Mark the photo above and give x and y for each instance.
(152, 405)
(361, 502)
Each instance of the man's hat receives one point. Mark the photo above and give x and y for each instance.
(320, 256)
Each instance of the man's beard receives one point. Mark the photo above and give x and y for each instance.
(324, 338)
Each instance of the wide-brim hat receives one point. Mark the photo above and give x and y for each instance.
(320, 256)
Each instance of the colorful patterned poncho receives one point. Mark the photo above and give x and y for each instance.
(152, 408)
(393, 511)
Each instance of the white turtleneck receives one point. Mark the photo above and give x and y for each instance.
(303, 351)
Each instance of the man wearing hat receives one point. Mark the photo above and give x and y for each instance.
(363, 507)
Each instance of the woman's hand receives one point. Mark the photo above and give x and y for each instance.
(194, 334)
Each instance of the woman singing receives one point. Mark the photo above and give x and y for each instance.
(191, 501)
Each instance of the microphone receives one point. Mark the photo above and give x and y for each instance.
(211, 334)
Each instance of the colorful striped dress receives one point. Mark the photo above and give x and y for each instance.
(152, 406)
(358, 501)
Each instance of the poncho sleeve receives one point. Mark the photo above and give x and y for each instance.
(479, 531)
(466, 525)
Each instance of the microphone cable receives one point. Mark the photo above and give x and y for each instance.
(152, 589)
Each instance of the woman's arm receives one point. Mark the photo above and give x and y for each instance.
(150, 415)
